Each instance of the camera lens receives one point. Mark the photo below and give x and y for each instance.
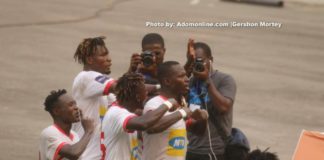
(147, 58)
(199, 65)
(147, 61)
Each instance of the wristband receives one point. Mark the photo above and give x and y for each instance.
(183, 113)
(168, 104)
(157, 86)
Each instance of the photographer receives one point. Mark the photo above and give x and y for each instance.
(214, 91)
(152, 55)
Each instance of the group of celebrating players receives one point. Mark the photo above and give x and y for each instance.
(156, 110)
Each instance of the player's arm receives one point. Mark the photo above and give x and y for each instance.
(165, 122)
(197, 123)
(151, 89)
(96, 84)
(74, 151)
(150, 118)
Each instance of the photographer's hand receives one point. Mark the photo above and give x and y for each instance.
(190, 50)
(190, 57)
(136, 59)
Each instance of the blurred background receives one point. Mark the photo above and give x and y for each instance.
(279, 71)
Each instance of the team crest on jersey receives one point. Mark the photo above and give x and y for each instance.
(101, 79)
(177, 142)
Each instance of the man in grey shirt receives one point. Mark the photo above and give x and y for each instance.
(214, 91)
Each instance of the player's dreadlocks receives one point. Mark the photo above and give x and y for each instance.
(52, 99)
(127, 86)
(87, 48)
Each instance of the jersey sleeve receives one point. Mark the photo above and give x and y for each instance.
(75, 136)
(228, 87)
(97, 84)
(53, 145)
(120, 118)
(152, 104)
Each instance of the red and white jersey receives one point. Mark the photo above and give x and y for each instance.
(52, 140)
(120, 143)
(170, 144)
(90, 91)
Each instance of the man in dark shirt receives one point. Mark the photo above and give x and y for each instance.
(214, 91)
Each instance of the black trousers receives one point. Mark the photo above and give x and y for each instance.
(195, 156)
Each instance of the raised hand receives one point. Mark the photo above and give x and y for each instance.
(190, 51)
(136, 59)
(87, 124)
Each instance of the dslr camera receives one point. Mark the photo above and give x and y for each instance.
(147, 58)
(199, 65)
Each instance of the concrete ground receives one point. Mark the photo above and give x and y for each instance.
(279, 71)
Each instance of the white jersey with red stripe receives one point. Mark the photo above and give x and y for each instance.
(90, 91)
(170, 144)
(52, 140)
(120, 143)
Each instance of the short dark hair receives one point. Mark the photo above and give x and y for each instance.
(163, 69)
(126, 86)
(87, 48)
(205, 48)
(257, 154)
(235, 152)
(52, 99)
(152, 38)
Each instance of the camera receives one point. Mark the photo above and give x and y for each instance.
(147, 58)
(199, 65)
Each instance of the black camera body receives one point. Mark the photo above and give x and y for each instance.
(199, 65)
(147, 58)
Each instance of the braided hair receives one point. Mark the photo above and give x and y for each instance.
(128, 86)
(87, 48)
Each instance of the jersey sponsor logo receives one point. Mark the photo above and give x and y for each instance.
(101, 79)
(177, 142)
